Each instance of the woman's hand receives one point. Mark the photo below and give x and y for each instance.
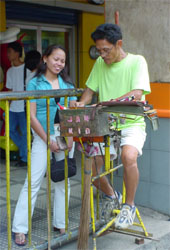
(54, 146)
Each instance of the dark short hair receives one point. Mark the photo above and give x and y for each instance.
(16, 46)
(32, 59)
(111, 32)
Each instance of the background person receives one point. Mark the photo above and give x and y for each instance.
(17, 117)
(32, 60)
(51, 74)
(116, 75)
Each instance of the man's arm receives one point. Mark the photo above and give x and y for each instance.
(85, 98)
(137, 93)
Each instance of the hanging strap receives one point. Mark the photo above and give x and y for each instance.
(25, 75)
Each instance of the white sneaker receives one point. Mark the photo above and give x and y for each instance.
(110, 204)
(126, 217)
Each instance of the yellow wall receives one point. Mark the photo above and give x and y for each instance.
(87, 24)
(2, 16)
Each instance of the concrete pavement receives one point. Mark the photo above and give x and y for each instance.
(155, 223)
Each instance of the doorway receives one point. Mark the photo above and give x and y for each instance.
(40, 36)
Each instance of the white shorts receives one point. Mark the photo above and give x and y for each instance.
(134, 136)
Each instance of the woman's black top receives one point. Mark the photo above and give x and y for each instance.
(57, 119)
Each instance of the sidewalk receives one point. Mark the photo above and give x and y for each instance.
(155, 223)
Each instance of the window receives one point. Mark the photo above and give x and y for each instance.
(40, 36)
(29, 40)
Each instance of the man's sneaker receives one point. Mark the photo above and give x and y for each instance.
(126, 217)
(109, 204)
(116, 201)
(21, 163)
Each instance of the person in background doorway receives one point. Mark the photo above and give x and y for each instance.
(17, 117)
(51, 74)
(32, 60)
(116, 75)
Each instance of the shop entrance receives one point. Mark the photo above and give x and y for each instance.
(40, 36)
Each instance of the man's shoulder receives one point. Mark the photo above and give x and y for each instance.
(136, 57)
(15, 68)
(134, 61)
(10, 70)
(19, 67)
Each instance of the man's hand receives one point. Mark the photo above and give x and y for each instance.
(78, 104)
(85, 99)
(136, 94)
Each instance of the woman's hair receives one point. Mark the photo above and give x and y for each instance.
(42, 67)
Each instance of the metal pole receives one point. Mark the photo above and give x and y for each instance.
(29, 171)
(48, 176)
(8, 173)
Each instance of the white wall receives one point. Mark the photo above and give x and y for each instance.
(146, 30)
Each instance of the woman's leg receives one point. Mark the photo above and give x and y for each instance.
(59, 204)
(59, 196)
(38, 168)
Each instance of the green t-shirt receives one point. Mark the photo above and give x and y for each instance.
(114, 80)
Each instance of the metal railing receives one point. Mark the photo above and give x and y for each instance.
(27, 96)
(95, 224)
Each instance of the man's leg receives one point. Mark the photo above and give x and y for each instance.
(23, 136)
(132, 141)
(112, 199)
(101, 183)
(13, 123)
(131, 173)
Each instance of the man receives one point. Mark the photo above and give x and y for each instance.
(116, 75)
(17, 118)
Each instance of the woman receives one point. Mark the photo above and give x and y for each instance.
(51, 74)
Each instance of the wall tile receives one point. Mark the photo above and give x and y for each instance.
(159, 198)
(160, 167)
(144, 165)
(160, 139)
(148, 132)
(142, 194)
